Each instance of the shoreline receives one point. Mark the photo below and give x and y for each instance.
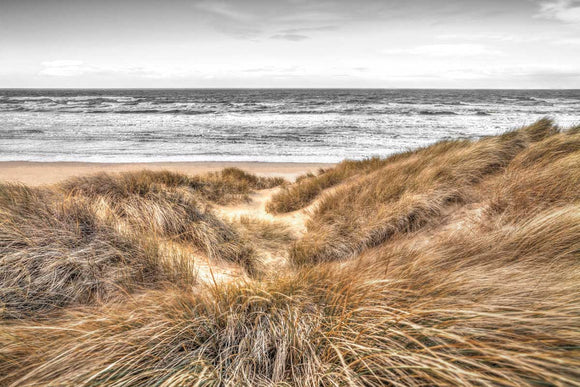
(37, 173)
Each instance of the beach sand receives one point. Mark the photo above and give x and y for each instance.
(40, 173)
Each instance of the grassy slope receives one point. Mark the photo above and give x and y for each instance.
(93, 238)
(57, 252)
(175, 206)
(308, 187)
(407, 193)
(457, 264)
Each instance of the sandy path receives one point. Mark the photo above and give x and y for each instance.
(256, 209)
(295, 221)
(211, 272)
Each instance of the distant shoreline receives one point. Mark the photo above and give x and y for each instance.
(291, 88)
(41, 173)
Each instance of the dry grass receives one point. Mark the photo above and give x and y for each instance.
(409, 192)
(98, 236)
(464, 271)
(272, 236)
(178, 215)
(544, 175)
(55, 252)
(224, 187)
(308, 187)
(470, 311)
(176, 207)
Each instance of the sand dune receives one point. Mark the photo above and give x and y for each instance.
(37, 173)
(453, 264)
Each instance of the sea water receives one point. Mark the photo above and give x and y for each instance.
(270, 125)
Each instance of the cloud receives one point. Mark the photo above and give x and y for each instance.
(62, 63)
(538, 74)
(298, 34)
(444, 50)
(309, 29)
(75, 68)
(509, 38)
(251, 19)
(567, 11)
(230, 19)
(225, 10)
(276, 70)
(568, 42)
(290, 37)
(65, 68)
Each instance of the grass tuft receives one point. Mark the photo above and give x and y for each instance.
(55, 252)
(223, 187)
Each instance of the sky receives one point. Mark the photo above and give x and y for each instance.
(290, 43)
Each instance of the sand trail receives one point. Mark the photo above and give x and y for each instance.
(210, 271)
(295, 222)
(256, 208)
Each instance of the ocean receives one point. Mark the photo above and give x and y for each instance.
(269, 125)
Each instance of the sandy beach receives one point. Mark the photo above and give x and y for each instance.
(40, 173)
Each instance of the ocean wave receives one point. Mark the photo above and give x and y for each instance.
(13, 134)
(291, 102)
(258, 125)
(436, 113)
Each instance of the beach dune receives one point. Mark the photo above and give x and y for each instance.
(40, 173)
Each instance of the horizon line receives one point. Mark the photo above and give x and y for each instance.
(286, 88)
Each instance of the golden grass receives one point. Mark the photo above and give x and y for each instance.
(226, 186)
(544, 175)
(459, 314)
(55, 252)
(95, 238)
(464, 270)
(409, 192)
(308, 187)
(272, 236)
(176, 206)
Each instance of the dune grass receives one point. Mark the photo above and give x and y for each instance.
(226, 186)
(273, 236)
(308, 187)
(457, 264)
(94, 238)
(55, 252)
(409, 192)
(470, 311)
(176, 206)
(545, 175)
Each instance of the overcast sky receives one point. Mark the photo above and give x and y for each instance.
(290, 43)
